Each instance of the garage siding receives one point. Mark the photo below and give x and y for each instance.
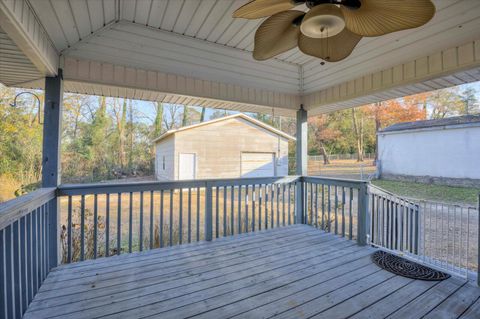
(218, 147)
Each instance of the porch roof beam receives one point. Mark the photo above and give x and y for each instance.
(93, 77)
(446, 68)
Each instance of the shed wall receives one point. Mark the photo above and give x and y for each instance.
(165, 147)
(218, 147)
(447, 152)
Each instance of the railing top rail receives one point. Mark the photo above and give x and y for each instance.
(335, 181)
(16, 208)
(104, 188)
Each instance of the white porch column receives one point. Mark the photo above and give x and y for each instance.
(301, 162)
(52, 131)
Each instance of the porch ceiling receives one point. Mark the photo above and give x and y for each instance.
(198, 40)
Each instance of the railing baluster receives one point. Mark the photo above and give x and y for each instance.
(119, 223)
(272, 211)
(107, 227)
(343, 211)
(283, 204)
(260, 207)
(254, 194)
(316, 205)
(239, 209)
(160, 231)
(140, 232)
(266, 206)
(23, 261)
(289, 204)
(95, 226)
(130, 222)
(170, 226)
(69, 230)
(224, 211)
(277, 190)
(336, 210)
(16, 267)
(9, 276)
(198, 214)
(208, 212)
(323, 206)
(151, 218)
(246, 208)
(82, 228)
(180, 217)
(217, 213)
(189, 223)
(232, 208)
(329, 209)
(35, 265)
(311, 222)
(29, 260)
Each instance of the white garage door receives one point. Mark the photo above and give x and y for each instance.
(258, 164)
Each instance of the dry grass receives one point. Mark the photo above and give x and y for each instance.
(342, 169)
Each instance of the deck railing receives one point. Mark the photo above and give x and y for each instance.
(99, 220)
(109, 219)
(337, 206)
(26, 236)
(441, 235)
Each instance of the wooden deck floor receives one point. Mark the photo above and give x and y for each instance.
(290, 272)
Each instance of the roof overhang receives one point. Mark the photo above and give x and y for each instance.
(197, 54)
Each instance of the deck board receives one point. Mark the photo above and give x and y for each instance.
(290, 272)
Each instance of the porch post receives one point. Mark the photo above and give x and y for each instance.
(52, 127)
(301, 163)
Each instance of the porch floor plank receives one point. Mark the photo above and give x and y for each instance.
(290, 272)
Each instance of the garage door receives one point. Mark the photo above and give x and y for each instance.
(258, 164)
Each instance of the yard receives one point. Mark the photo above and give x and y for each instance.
(342, 168)
(441, 193)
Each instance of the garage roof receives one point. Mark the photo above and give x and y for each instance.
(464, 120)
(239, 115)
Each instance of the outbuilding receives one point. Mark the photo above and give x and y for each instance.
(229, 147)
(443, 151)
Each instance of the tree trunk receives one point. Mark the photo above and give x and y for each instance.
(323, 151)
(202, 115)
(185, 116)
(121, 135)
(357, 130)
(130, 133)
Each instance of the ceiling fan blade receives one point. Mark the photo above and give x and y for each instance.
(276, 35)
(262, 8)
(331, 49)
(379, 17)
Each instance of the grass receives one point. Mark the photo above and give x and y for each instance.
(442, 193)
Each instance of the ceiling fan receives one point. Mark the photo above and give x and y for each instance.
(330, 29)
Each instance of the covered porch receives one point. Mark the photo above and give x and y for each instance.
(258, 247)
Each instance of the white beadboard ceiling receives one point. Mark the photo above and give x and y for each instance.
(200, 39)
(87, 28)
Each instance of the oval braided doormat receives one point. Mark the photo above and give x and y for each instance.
(406, 268)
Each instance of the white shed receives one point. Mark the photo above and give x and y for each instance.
(229, 147)
(444, 150)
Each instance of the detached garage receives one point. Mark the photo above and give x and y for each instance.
(229, 147)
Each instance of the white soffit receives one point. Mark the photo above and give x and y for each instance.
(15, 67)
